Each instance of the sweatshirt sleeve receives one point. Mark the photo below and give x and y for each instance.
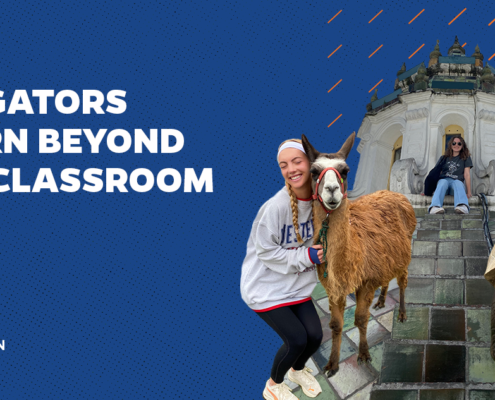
(277, 258)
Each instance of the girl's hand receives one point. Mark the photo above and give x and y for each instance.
(469, 195)
(319, 247)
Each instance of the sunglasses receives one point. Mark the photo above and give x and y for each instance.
(456, 144)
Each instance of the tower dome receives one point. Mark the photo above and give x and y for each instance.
(456, 49)
(478, 56)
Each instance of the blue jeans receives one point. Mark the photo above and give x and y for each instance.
(460, 196)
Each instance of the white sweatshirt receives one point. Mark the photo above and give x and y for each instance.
(277, 270)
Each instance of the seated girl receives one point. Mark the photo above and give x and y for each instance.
(455, 173)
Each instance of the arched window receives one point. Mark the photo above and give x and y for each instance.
(451, 130)
(396, 153)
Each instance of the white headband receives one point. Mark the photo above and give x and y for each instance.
(291, 145)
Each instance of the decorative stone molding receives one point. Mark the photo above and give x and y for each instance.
(462, 115)
(396, 110)
(416, 97)
(365, 127)
(486, 98)
(487, 115)
(386, 146)
(365, 139)
(417, 114)
(405, 177)
(458, 99)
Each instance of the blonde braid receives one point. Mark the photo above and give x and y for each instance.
(295, 211)
(293, 201)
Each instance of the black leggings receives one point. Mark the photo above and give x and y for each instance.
(300, 329)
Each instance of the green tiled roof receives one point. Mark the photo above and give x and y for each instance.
(492, 69)
(408, 73)
(386, 99)
(456, 60)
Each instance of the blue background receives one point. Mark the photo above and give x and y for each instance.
(136, 295)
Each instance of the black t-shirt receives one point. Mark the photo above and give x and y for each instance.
(454, 168)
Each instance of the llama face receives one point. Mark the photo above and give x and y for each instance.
(330, 188)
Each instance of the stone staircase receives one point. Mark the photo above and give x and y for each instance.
(442, 350)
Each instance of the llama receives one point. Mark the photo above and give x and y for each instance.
(368, 243)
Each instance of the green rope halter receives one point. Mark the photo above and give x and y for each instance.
(323, 240)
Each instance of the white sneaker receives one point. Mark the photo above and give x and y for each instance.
(462, 209)
(437, 210)
(308, 383)
(279, 391)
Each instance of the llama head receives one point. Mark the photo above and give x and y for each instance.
(330, 189)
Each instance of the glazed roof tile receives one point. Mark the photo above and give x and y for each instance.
(456, 60)
(408, 73)
(386, 99)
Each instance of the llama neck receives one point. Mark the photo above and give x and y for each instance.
(338, 234)
(344, 254)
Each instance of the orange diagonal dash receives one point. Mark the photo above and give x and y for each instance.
(464, 44)
(334, 51)
(334, 120)
(417, 16)
(491, 57)
(375, 51)
(416, 50)
(334, 16)
(369, 91)
(457, 16)
(375, 17)
(491, 22)
(334, 86)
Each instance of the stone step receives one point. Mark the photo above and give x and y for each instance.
(451, 224)
(438, 347)
(443, 349)
(430, 391)
(443, 324)
(452, 216)
(442, 235)
(430, 364)
(451, 248)
(447, 266)
(449, 291)
(451, 210)
(421, 212)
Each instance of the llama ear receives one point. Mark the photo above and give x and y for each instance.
(311, 152)
(347, 146)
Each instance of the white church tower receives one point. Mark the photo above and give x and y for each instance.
(404, 133)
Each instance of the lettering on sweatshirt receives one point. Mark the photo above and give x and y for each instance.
(306, 230)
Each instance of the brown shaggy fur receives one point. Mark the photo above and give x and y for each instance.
(368, 245)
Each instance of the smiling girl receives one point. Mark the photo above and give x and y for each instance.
(278, 274)
(456, 172)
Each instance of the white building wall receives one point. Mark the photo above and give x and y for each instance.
(421, 119)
